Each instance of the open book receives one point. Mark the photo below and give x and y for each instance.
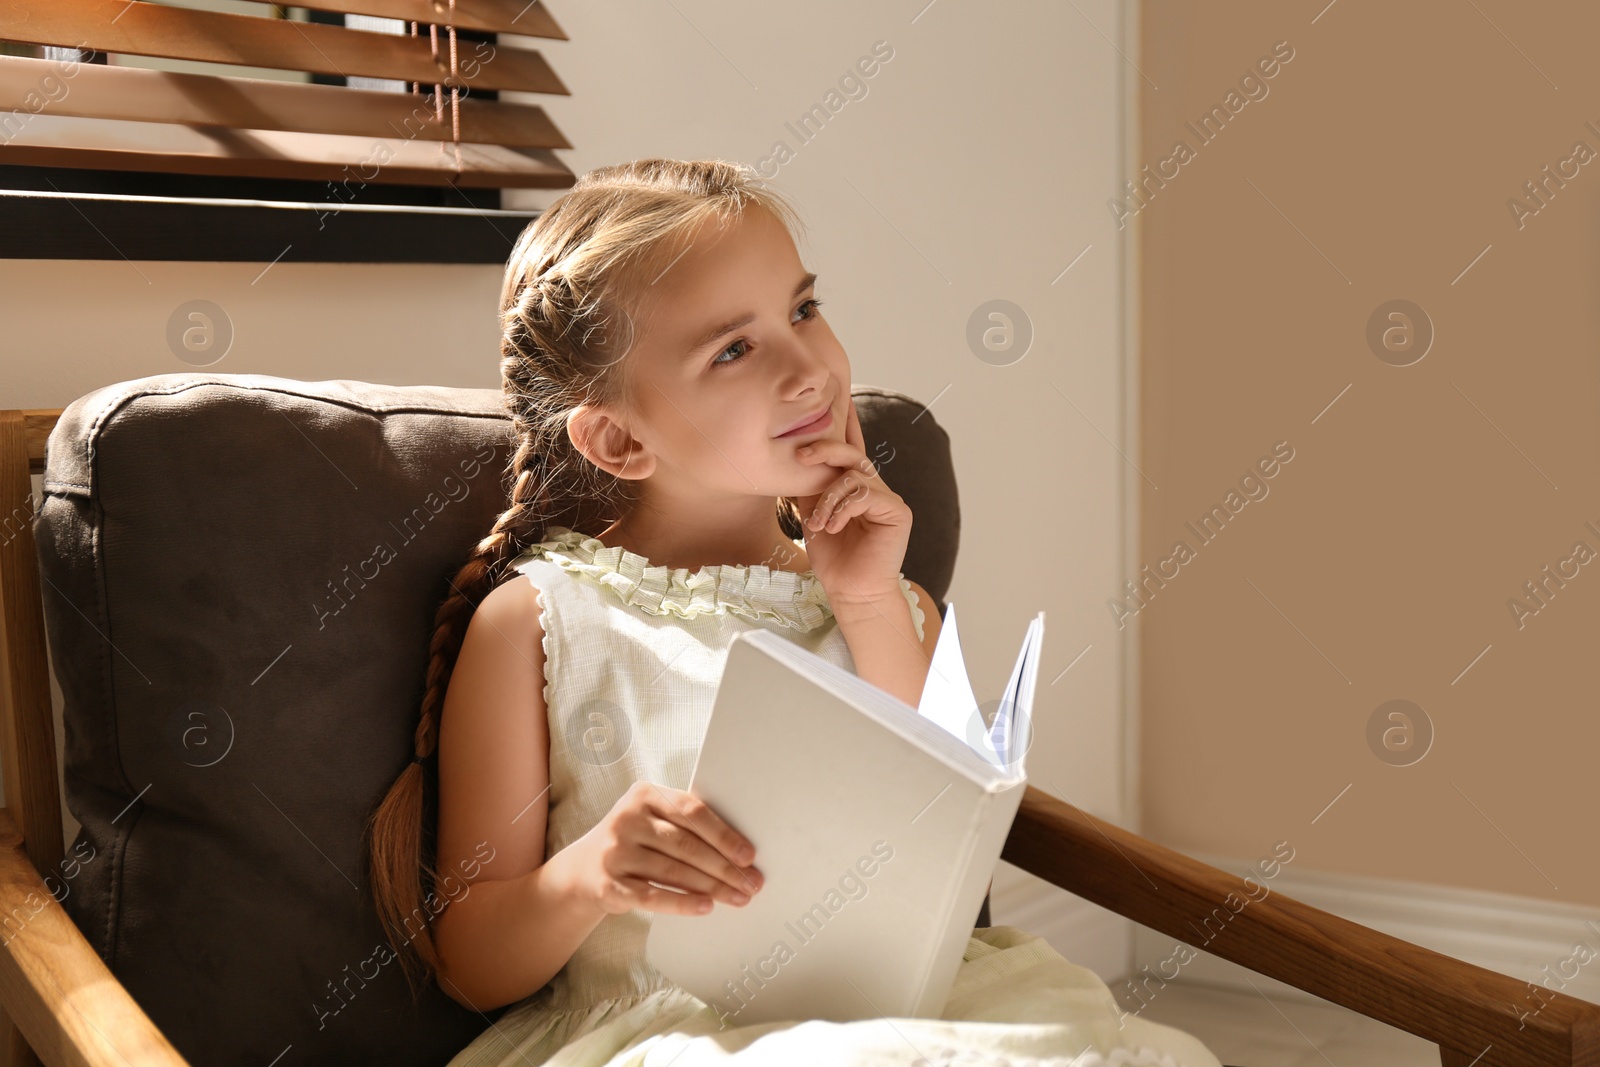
(877, 827)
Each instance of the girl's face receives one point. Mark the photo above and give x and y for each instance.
(730, 353)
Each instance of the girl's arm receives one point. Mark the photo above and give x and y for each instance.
(513, 919)
(856, 536)
(878, 644)
(883, 641)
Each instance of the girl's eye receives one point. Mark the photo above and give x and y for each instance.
(719, 362)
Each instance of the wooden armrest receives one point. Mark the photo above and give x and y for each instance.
(1475, 1015)
(53, 986)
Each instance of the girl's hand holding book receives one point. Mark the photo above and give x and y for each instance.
(655, 833)
(857, 528)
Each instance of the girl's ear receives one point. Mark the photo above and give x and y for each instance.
(605, 442)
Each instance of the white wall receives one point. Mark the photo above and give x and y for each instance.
(975, 167)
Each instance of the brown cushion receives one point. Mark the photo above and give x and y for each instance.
(240, 578)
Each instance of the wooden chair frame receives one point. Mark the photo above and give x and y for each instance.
(60, 1003)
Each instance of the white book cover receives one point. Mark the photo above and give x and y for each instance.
(877, 826)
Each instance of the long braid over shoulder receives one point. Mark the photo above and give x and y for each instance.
(566, 306)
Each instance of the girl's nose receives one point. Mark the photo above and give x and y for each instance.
(804, 369)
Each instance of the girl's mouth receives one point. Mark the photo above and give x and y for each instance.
(817, 425)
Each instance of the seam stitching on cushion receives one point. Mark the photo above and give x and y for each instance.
(119, 837)
(117, 401)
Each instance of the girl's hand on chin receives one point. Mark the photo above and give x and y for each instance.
(857, 528)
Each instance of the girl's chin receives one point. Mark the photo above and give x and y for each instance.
(816, 479)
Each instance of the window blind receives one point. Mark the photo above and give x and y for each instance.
(59, 109)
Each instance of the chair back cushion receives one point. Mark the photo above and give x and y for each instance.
(240, 577)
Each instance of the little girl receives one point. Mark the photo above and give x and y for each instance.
(689, 465)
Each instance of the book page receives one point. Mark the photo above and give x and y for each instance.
(1012, 728)
(947, 699)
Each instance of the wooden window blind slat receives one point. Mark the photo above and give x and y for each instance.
(491, 16)
(214, 37)
(102, 123)
(99, 91)
(64, 141)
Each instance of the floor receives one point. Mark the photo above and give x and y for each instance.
(1247, 1030)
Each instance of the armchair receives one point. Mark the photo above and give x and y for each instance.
(234, 577)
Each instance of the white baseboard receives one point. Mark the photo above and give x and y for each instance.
(1540, 941)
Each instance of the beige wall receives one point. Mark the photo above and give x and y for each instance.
(1380, 565)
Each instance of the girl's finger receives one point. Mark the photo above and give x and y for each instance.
(688, 810)
(683, 844)
(838, 454)
(847, 510)
(847, 489)
(675, 874)
(689, 829)
(857, 502)
(818, 518)
(852, 427)
(653, 898)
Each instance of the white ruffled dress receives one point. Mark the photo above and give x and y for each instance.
(633, 655)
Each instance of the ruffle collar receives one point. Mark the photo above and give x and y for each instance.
(789, 598)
